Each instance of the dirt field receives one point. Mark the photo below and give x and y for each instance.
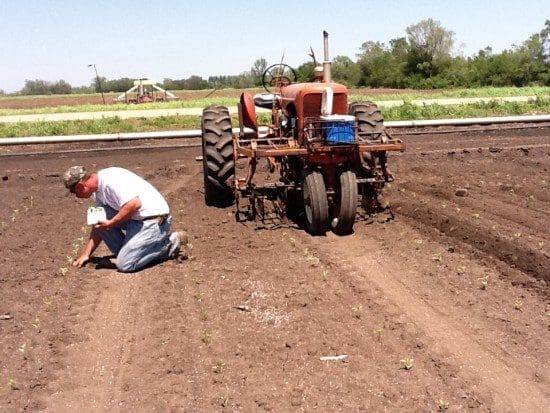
(33, 102)
(443, 307)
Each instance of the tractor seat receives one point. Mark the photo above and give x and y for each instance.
(265, 100)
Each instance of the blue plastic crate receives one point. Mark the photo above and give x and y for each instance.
(339, 129)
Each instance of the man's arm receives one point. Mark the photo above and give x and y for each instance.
(91, 246)
(125, 213)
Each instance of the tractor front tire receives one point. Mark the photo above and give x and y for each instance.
(217, 157)
(315, 203)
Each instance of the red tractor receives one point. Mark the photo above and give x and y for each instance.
(325, 156)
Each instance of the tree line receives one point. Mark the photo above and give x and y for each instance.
(422, 59)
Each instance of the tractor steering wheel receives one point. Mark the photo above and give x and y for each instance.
(276, 76)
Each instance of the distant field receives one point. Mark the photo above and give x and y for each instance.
(19, 105)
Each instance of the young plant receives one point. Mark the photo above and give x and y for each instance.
(484, 281)
(22, 348)
(378, 333)
(36, 324)
(63, 271)
(198, 295)
(207, 337)
(218, 367)
(407, 363)
(461, 270)
(438, 257)
(357, 310)
(518, 304)
(224, 401)
(442, 405)
(12, 384)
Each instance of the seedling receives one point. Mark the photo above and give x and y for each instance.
(442, 405)
(223, 401)
(63, 271)
(292, 241)
(531, 198)
(199, 295)
(443, 206)
(22, 348)
(378, 333)
(357, 310)
(418, 241)
(518, 304)
(207, 337)
(407, 363)
(69, 260)
(517, 234)
(484, 281)
(338, 290)
(36, 324)
(438, 257)
(48, 304)
(12, 384)
(457, 209)
(461, 270)
(218, 368)
(313, 261)
(541, 244)
(325, 275)
(476, 216)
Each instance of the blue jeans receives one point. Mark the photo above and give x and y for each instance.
(136, 243)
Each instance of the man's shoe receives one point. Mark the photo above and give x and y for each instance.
(177, 238)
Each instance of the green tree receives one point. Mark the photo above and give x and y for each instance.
(257, 70)
(430, 47)
(345, 71)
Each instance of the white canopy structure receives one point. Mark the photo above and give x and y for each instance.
(146, 90)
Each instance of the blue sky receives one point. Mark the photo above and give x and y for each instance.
(57, 39)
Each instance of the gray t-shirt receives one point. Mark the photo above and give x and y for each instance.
(116, 186)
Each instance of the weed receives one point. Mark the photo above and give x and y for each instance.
(357, 310)
(12, 384)
(207, 337)
(518, 304)
(461, 270)
(438, 257)
(442, 405)
(218, 367)
(407, 363)
(483, 282)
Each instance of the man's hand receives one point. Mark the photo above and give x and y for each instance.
(80, 261)
(103, 224)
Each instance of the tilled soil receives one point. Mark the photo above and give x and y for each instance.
(440, 304)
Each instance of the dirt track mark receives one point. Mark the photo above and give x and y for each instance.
(512, 390)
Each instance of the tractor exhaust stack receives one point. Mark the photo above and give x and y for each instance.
(327, 76)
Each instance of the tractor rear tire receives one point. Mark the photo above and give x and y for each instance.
(315, 203)
(217, 157)
(369, 120)
(346, 208)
